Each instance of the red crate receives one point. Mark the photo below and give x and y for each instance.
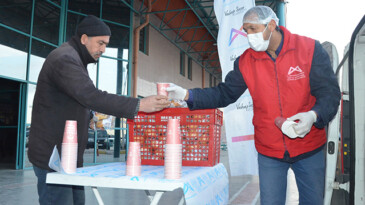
(200, 135)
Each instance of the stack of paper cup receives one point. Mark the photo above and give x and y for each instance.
(161, 88)
(173, 150)
(69, 147)
(133, 167)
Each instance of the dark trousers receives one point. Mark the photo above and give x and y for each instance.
(54, 194)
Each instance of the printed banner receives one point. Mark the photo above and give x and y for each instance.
(232, 42)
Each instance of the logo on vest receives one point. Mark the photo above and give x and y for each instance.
(295, 73)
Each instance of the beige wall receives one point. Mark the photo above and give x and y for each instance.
(162, 64)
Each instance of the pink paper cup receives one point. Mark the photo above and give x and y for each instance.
(69, 149)
(134, 149)
(133, 162)
(173, 155)
(161, 89)
(69, 145)
(174, 160)
(279, 121)
(69, 163)
(134, 154)
(133, 170)
(172, 165)
(134, 145)
(172, 170)
(173, 147)
(173, 132)
(70, 132)
(172, 175)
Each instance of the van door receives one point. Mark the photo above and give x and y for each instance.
(356, 81)
(349, 184)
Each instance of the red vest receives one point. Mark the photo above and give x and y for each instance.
(281, 88)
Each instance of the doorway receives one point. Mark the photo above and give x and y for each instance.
(9, 117)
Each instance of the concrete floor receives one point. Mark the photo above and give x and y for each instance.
(18, 187)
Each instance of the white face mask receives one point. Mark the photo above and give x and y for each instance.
(257, 42)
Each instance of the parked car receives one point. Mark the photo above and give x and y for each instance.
(27, 130)
(104, 141)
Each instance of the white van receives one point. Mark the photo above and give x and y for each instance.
(345, 162)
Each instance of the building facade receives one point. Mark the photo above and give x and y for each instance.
(30, 30)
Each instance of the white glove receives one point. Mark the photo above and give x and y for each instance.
(306, 120)
(288, 129)
(176, 92)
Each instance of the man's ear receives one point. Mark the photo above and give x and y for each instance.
(272, 25)
(84, 39)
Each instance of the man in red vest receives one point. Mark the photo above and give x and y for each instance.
(288, 76)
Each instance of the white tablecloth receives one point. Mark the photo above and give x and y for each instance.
(201, 185)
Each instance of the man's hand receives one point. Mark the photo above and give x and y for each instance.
(153, 103)
(177, 92)
(306, 120)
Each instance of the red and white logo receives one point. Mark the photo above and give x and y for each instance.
(295, 73)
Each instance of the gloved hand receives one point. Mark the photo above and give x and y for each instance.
(176, 92)
(306, 120)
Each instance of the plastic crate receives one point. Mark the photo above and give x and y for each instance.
(200, 135)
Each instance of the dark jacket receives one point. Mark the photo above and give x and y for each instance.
(66, 92)
(322, 82)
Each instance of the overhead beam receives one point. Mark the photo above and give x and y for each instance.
(182, 28)
(203, 22)
(197, 41)
(166, 11)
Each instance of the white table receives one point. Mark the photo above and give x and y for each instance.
(201, 185)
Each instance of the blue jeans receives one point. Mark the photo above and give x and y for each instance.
(309, 175)
(54, 194)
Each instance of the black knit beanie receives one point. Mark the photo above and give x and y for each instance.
(93, 26)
